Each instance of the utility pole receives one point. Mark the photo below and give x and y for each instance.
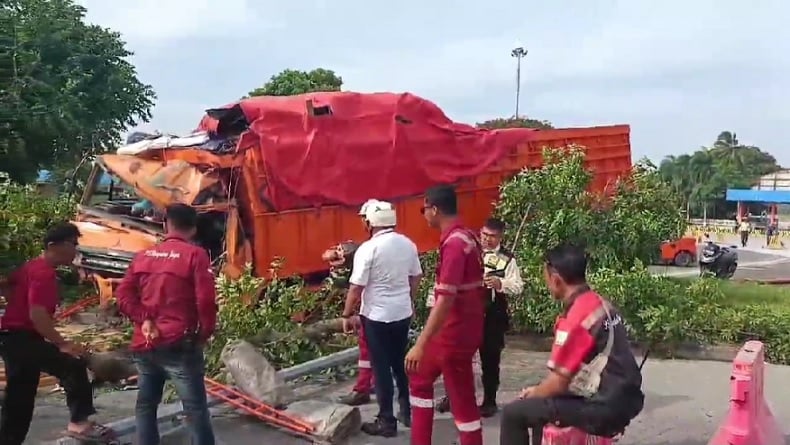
(519, 53)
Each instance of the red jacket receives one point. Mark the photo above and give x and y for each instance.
(171, 284)
(459, 273)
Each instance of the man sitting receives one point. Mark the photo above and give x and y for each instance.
(594, 383)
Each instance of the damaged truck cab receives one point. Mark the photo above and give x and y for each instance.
(280, 179)
(121, 210)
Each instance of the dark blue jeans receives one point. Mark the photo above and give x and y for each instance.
(184, 365)
(387, 343)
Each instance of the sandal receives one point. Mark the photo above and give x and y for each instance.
(95, 434)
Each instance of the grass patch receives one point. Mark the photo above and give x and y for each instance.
(741, 294)
(737, 294)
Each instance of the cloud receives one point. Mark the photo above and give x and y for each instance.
(156, 23)
(678, 71)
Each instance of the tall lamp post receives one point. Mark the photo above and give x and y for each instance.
(519, 53)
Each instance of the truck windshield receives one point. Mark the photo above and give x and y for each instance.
(109, 194)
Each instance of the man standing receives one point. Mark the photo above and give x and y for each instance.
(30, 344)
(385, 277)
(594, 382)
(454, 330)
(503, 277)
(745, 228)
(168, 293)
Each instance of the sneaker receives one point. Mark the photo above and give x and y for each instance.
(355, 398)
(488, 410)
(442, 405)
(380, 428)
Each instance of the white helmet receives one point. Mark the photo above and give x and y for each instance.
(380, 214)
(363, 211)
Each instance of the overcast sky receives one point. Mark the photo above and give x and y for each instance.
(678, 72)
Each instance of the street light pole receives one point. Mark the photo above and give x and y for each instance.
(519, 53)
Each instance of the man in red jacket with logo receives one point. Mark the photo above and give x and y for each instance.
(454, 330)
(168, 293)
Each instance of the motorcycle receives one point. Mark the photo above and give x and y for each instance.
(719, 261)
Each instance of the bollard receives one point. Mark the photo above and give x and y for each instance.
(749, 420)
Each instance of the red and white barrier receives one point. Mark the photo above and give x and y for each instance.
(749, 420)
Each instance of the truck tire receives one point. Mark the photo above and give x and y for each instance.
(683, 259)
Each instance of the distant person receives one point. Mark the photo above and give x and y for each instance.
(168, 294)
(385, 276)
(30, 345)
(770, 231)
(594, 383)
(745, 229)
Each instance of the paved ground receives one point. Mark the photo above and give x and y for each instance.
(685, 403)
(685, 399)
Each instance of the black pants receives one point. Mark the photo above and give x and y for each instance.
(744, 238)
(387, 343)
(494, 328)
(522, 417)
(26, 355)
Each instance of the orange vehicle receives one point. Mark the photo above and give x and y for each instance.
(284, 178)
(681, 252)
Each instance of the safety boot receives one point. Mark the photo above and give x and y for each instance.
(381, 427)
(488, 409)
(442, 405)
(355, 399)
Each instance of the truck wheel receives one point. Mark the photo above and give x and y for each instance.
(683, 259)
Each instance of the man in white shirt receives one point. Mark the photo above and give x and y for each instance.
(503, 278)
(745, 228)
(385, 276)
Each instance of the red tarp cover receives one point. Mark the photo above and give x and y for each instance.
(379, 145)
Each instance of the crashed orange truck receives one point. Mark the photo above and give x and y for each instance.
(282, 178)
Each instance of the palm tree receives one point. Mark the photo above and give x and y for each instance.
(728, 149)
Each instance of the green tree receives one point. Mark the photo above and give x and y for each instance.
(65, 86)
(619, 228)
(291, 82)
(703, 177)
(515, 122)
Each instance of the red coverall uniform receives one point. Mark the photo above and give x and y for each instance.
(171, 284)
(459, 273)
(364, 384)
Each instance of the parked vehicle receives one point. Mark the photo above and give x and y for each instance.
(284, 177)
(717, 260)
(680, 252)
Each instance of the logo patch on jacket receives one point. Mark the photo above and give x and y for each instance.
(163, 255)
(560, 338)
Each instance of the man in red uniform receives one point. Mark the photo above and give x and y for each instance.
(168, 293)
(454, 330)
(30, 344)
(341, 259)
(594, 382)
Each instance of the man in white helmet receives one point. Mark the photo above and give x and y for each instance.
(341, 258)
(385, 277)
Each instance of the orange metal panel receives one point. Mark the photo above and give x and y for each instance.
(300, 236)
